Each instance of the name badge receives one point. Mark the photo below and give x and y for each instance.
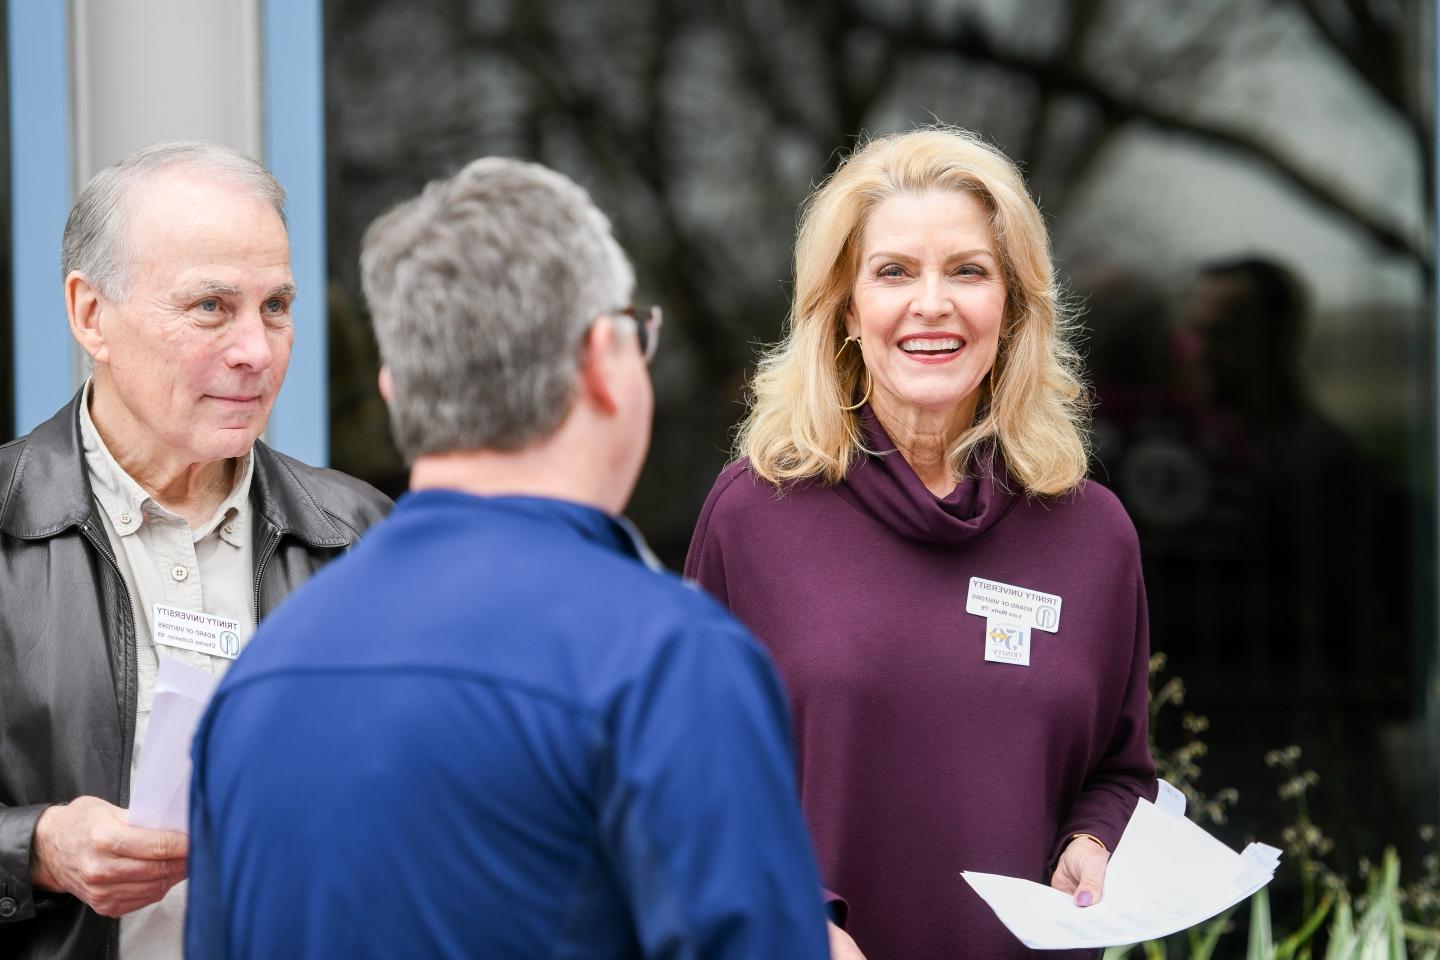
(1033, 609)
(197, 631)
(1007, 642)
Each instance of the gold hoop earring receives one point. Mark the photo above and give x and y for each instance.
(869, 380)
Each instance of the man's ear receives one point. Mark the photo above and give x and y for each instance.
(599, 365)
(84, 305)
(386, 383)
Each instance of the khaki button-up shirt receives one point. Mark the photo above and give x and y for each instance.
(164, 560)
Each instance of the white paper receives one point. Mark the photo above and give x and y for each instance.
(160, 795)
(1167, 874)
(1169, 798)
(1007, 642)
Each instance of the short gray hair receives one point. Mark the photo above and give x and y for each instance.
(97, 237)
(481, 290)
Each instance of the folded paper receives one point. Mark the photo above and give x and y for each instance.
(160, 795)
(1166, 874)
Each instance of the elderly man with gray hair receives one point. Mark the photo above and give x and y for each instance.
(507, 734)
(145, 499)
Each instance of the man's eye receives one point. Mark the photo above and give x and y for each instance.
(276, 306)
(209, 305)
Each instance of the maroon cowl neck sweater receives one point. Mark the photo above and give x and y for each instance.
(918, 758)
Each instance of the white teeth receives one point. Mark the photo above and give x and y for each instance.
(911, 346)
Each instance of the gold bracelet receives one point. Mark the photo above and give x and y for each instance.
(1089, 836)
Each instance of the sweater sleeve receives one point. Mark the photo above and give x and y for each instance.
(1126, 771)
(704, 561)
(701, 818)
(705, 565)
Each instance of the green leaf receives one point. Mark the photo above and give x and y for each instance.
(1342, 932)
(1203, 947)
(1379, 932)
(1303, 936)
(1262, 945)
(1418, 934)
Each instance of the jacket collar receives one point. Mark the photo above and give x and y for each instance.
(48, 491)
(283, 500)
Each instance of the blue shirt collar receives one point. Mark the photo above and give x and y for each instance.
(595, 525)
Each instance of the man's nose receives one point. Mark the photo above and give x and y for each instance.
(249, 344)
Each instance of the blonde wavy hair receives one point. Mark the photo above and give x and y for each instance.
(1034, 404)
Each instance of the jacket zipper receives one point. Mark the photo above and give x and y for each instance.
(127, 746)
(265, 556)
(127, 749)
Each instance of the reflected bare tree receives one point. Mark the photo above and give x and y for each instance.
(701, 126)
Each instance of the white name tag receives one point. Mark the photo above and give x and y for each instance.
(1007, 642)
(990, 598)
(197, 631)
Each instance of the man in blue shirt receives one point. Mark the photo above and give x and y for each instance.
(494, 729)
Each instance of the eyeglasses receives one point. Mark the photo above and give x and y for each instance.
(647, 326)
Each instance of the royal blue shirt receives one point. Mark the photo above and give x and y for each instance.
(491, 730)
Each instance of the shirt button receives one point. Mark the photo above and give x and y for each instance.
(229, 528)
(8, 908)
(179, 572)
(124, 518)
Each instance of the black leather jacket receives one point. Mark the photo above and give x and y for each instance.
(67, 647)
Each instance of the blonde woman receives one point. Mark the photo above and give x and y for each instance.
(957, 612)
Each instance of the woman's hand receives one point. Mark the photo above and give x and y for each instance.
(1081, 870)
(842, 947)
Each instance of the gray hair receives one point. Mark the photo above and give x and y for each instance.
(481, 290)
(97, 236)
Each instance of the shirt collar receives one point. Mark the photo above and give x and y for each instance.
(126, 503)
(591, 523)
(232, 517)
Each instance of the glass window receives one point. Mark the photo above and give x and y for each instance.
(1241, 197)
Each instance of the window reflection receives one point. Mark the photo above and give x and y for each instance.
(1242, 194)
(1278, 552)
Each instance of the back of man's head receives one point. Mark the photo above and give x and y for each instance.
(481, 290)
(97, 241)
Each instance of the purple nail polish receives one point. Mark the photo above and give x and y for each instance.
(1084, 898)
